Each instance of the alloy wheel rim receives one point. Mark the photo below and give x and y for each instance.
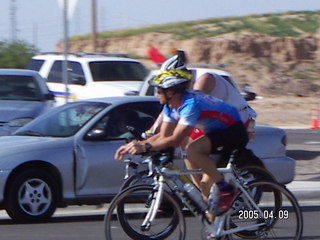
(34, 197)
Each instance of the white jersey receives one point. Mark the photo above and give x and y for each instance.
(226, 92)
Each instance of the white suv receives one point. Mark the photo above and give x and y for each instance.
(90, 75)
(147, 90)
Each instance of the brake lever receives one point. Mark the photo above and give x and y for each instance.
(150, 169)
(127, 162)
(150, 166)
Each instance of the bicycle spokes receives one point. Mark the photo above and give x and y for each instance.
(277, 215)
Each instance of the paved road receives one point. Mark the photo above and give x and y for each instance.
(304, 146)
(91, 228)
(86, 223)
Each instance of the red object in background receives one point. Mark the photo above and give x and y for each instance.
(155, 55)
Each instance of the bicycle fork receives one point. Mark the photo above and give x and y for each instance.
(155, 200)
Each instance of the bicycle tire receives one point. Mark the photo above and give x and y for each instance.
(139, 178)
(257, 172)
(281, 219)
(122, 219)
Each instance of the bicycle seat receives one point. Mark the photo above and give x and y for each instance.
(239, 157)
(245, 157)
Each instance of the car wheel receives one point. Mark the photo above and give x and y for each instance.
(32, 196)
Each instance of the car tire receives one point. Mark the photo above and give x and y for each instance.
(32, 196)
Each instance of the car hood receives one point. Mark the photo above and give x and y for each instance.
(22, 145)
(10, 109)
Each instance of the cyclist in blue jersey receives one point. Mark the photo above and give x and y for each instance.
(183, 111)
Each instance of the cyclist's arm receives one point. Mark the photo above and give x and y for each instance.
(206, 83)
(158, 142)
(167, 130)
(171, 135)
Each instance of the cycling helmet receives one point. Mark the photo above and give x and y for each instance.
(171, 78)
(174, 62)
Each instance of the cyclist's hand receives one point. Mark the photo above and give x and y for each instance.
(133, 147)
(120, 153)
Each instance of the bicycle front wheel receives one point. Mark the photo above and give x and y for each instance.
(128, 212)
(275, 214)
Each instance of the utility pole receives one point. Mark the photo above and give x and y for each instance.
(94, 24)
(13, 18)
(65, 74)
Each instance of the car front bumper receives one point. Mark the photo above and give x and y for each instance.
(284, 174)
(4, 174)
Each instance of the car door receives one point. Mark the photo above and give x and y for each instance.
(57, 86)
(97, 173)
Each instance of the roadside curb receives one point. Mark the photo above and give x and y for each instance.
(306, 192)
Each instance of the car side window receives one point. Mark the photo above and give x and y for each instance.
(74, 69)
(138, 115)
(19, 88)
(35, 64)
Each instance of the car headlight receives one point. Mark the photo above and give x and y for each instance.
(19, 122)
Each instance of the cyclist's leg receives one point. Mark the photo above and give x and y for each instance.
(196, 178)
(198, 152)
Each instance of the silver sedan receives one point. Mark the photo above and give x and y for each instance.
(66, 156)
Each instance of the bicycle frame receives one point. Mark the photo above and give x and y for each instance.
(173, 179)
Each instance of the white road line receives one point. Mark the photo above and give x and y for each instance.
(312, 143)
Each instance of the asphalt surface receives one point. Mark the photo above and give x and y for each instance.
(304, 146)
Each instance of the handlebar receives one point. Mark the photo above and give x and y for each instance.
(155, 158)
(136, 134)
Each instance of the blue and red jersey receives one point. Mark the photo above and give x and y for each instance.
(202, 111)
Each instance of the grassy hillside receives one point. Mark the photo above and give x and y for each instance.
(289, 24)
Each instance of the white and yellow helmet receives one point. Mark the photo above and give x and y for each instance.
(174, 62)
(170, 78)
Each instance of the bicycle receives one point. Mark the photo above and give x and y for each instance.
(261, 210)
(140, 175)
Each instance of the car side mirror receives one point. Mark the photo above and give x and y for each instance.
(249, 96)
(96, 134)
(49, 96)
(79, 81)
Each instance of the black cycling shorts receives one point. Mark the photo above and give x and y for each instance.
(226, 140)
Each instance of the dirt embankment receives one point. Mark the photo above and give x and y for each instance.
(285, 72)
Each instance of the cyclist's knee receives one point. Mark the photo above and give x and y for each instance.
(199, 147)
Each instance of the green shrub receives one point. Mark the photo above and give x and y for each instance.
(16, 54)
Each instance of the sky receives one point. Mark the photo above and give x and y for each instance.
(40, 22)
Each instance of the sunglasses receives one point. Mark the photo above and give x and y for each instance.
(160, 91)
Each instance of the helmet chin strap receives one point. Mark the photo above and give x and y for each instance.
(167, 97)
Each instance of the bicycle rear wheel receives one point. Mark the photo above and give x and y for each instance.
(129, 209)
(280, 216)
(255, 173)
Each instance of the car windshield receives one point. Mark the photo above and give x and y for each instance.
(35, 64)
(16, 87)
(117, 71)
(62, 121)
